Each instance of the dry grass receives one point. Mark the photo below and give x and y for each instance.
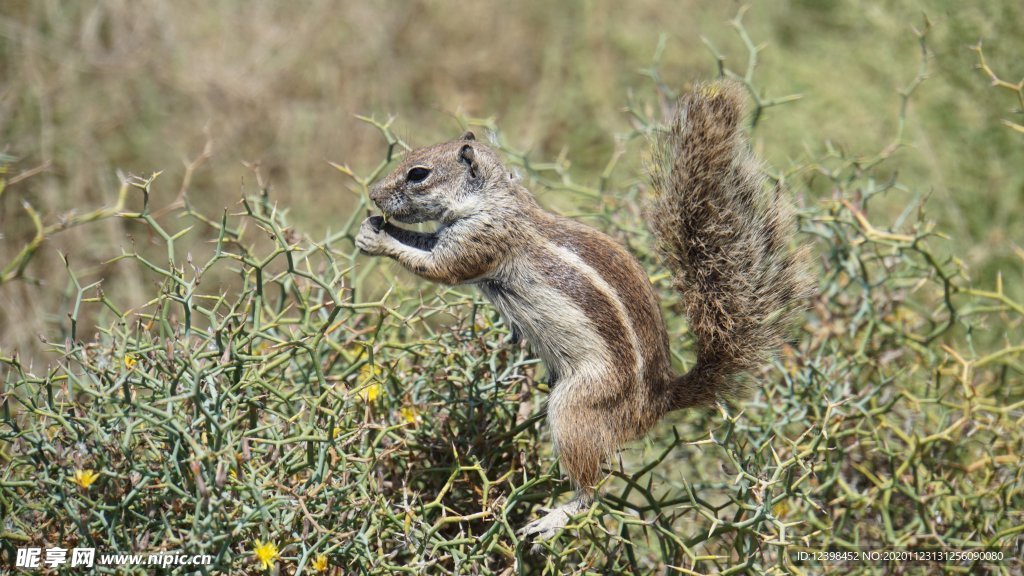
(137, 86)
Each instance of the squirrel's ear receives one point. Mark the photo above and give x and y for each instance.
(468, 156)
(468, 135)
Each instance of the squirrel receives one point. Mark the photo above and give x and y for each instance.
(584, 303)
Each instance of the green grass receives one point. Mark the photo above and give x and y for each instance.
(243, 374)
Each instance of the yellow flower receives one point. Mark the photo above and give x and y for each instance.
(368, 382)
(370, 392)
(266, 553)
(85, 478)
(409, 414)
(320, 563)
(130, 360)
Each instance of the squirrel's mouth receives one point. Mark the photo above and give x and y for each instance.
(423, 239)
(404, 218)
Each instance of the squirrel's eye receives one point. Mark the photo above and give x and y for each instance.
(418, 174)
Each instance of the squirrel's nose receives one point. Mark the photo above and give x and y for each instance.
(376, 193)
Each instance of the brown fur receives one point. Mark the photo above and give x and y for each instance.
(724, 237)
(583, 302)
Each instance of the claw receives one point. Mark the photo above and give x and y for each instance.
(553, 521)
(545, 527)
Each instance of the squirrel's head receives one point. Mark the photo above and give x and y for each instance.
(444, 182)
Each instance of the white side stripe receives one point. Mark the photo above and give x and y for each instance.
(602, 285)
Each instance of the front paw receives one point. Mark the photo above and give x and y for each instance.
(372, 238)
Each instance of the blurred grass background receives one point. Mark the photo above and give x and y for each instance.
(90, 88)
(242, 383)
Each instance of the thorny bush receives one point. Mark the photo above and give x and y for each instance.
(280, 388)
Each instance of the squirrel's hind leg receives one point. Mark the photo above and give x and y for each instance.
(582, 441)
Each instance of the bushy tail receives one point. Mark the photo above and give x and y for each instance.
(725, 236)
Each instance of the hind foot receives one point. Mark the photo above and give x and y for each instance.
(551, 523)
